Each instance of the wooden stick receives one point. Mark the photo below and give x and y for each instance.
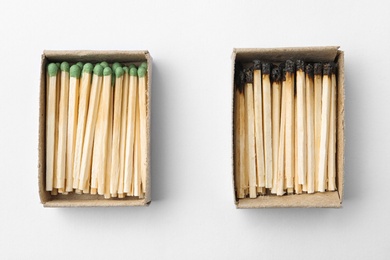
(137, 153)
(122, 148)
(130, 129)
(289, 123)
(326, 94)
(300, 72)
(332, 134)
(142, 77)
(236, 122)
(250, 133)
(58, 95)
(297, 187)
(244, 184)
(107, 175)
(116, 132)
(74, 88)
(310, 127)
(51, 88)
(258, 105)
(267, 123)
(317, 118)
(86, 159)
(62, 126)
(276, 77)
(85, 89)
(282, 136)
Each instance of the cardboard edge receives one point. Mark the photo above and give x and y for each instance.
(233, 57)
(341, 124)
(45, 197)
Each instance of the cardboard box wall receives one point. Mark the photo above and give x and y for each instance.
(87, 200)
(308, 54)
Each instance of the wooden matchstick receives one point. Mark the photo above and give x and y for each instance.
(51, 88)
(300, 85)
(99, 159)
(276, 77)
(58, 93)
(332, 134)
(108, 158)
(250, 132)
(325, 114)
(85, 88)
(266, 82)
(310, 128)
(297, 187)
(282, 134)
(317, 118)
(258, 105)
(74, 89)
(86, 159)
(142, 91)
(130, 129)
(289, 84)
(116, 132)
(62, 126)
(244, 181)
(136, 182)
(122, 151)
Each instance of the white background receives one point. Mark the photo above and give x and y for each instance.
(192, 215)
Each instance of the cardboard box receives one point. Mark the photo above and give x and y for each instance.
(87, 200)
(308, 54)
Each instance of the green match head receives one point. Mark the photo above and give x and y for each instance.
(87, 68)
(144, 65)
(64, 66)
(75, 71)
(98, 70)
(52, 69)
(119, 72)
(132, 66)
(80, 64)
(115, 66)
(133, 72)
(104, 64)
(141, 72)
(58, 65)
(125, 69)
(107, 71)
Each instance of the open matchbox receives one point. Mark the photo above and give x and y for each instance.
(87, 200)
(308, 54)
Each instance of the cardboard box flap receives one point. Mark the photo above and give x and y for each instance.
(95, 56)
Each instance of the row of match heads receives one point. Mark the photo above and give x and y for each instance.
(244, 74)
(99, 69)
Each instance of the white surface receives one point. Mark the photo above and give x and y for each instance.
(192, 215)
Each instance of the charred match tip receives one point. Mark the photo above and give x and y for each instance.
(317, 68)
(257, 65)
(300, 65)
(327, 69)
(276, 74)
(266, 68)
(241, 81)
(310, 70)
(248, 75)
(334, 67)
(289, 66)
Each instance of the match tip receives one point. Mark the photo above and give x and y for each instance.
(107, 71)
(133, 71)
(104, 64)
(75, 71)
(327, 69)
(334, 67)
(125, 69)
(266, 68)
(309, 70)
(144, 65)
(317, 68)
(87, 68)
(300, 65)
(141, 72)
(132, 66)
(115, 66)
(289, 66)
(98, 70)
(257, 65)
(58, 65)
(119, 72)
(80, 64)
(52, 69)
(64, 66)
(248, 75)
(276, 74)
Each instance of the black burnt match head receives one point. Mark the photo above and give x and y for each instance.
(327, 69)
(318, 69)
(300, 65)
(309, 70)
(276, 74)
(256, 65)
(266, 68)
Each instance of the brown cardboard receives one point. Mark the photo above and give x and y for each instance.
(87, 200)
(308, 54)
